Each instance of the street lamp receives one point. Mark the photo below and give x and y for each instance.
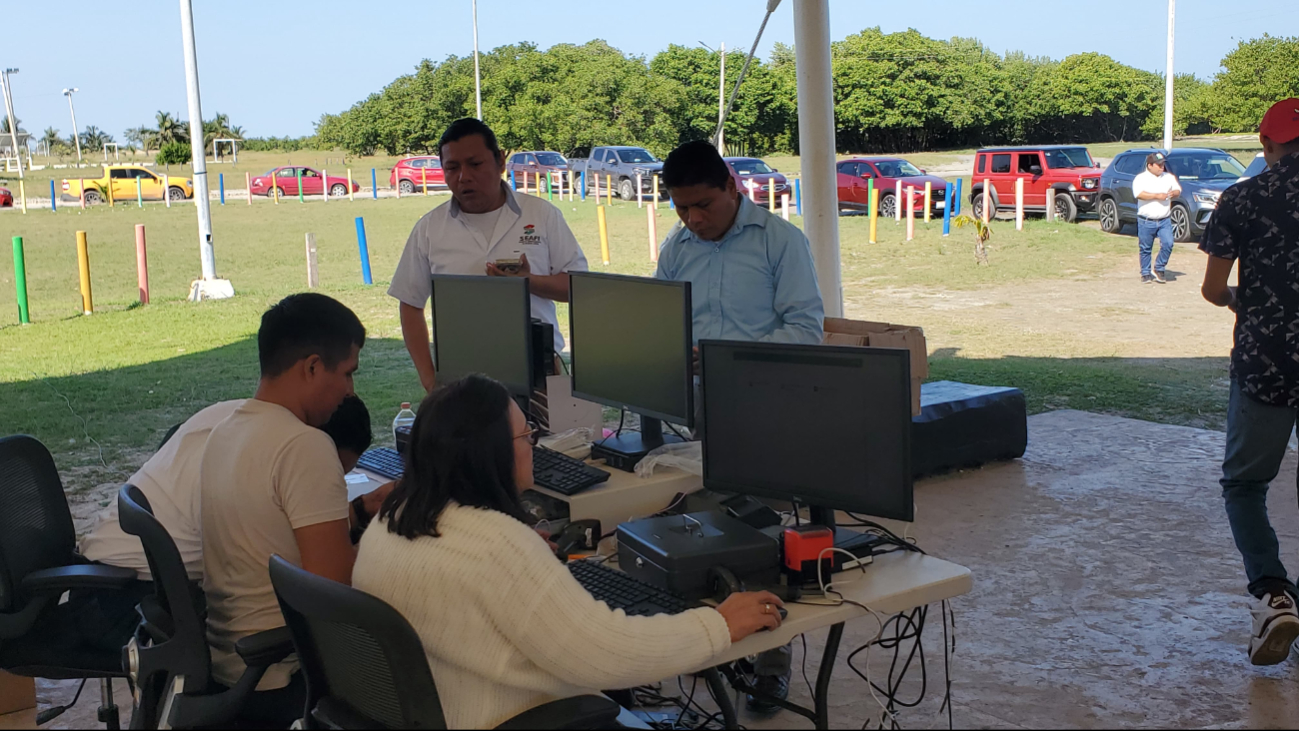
(75, 137)
(478, 84)
(13, 121)
(721, 100)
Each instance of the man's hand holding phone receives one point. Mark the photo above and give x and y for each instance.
(510, 267)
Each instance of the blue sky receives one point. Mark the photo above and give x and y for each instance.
(348, 49)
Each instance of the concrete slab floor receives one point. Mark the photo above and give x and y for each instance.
(1107, 593)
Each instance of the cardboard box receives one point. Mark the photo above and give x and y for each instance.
(839, 331)
(16, 693)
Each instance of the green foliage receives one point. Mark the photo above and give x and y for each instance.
(175, 153)
(1257, 74)
(279, 144)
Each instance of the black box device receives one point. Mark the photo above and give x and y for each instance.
(675, 552)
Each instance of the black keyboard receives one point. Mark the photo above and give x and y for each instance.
(621, 591)
(563, 474)
(383, 461)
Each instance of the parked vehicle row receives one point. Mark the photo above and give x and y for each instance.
(1203, 174)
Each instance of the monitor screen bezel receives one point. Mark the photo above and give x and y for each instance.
(687, 419)
(503, 283)
(712, 483)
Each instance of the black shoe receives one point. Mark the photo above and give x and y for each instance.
(1147, 279)
(771, 685)
(1159, 277)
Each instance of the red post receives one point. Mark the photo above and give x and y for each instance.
(141, 264)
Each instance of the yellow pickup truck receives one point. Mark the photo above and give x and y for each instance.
(122, 179)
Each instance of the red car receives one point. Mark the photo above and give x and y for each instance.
(412, 173)
(286, 179)
(6, 198)
(753, 178)
(854, 188)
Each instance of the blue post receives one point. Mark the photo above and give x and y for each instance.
(514, 184)
(798, 195)
(947, 210)
(374, 186)
(221, 185)
(54, 206)
(956, 199)
(583, 185)
(365, 250)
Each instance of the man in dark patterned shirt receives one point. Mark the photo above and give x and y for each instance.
(1257, 224)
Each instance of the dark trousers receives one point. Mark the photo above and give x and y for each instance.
(105, 618)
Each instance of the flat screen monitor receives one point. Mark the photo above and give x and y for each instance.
(826, 426)
(483, 325)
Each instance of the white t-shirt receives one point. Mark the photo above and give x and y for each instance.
(170, 482)
(444, 242)
(264, 474)
(1147, 183)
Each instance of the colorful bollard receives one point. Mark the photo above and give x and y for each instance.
(874, 203)
(20, 281)
(324, 186)
(374, 185)
(221, 186)
(83, 267)
(141, 264)
(604, 234)
(351, 192)
(139, 194)
(54, 203)
(301, 198)
(929, 197)
(870, 197)
(954, 201)
(583, 185)
(798, 195)
(550, 191)
(22, 191)
(947, 212)
(514, 181)
(364, 250)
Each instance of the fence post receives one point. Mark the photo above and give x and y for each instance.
(351, 194)
(54, 203)
(324, 186)
(597, 187)
(639, 199)
(1050, 204)
(81, 182)
(83, 267)
(22, 192)
(874, 211)
(1019, 204)
(897, 204)
(20, 281)
(653, 235)
(654, 203)
(911, 212)
(929, 198)
(313, 275)
(947, 210)
(141, 264)
(771, 196)
(604, 234)
(166, 190)
(608, 184)
(987, 200)
(784, 206)
(374, 184)
(364, 250)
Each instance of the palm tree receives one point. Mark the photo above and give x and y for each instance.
(4, 125)
(219, 128)
(50, 138)
(170, 129)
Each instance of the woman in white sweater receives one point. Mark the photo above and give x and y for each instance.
(504, 624)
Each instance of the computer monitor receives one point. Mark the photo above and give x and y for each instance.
(825, 426)
(632, 348)
(483, 325)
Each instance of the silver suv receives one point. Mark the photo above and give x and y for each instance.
(1202, 172)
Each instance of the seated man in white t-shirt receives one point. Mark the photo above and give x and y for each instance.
(271, 484)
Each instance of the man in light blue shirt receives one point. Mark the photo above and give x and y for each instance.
(750, 272)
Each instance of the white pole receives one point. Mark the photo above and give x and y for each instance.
(816, 145)
(207, 256)
(13, 121)
(478, 84)
(76, 138)
(721, 105)
(1168, 81)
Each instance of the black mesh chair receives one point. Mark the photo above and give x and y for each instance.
(365, 665)
(38, 563)
(168, 659)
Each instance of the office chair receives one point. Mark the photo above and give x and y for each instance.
(38, 563)
(365, 665)
(167, 437)
(168, 659)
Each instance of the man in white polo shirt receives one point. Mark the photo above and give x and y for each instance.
(483, 229)
(1153, 190)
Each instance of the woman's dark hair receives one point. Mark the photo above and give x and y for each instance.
(695, 163)
(462, 128)
(461, 449)
(349, 427)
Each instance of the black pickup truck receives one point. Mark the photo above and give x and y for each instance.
(620, 165)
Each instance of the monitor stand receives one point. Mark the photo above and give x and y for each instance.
(623, 451)
(858, 544)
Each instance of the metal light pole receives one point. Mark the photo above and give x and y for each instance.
(478, 84)
(1168, 81)
(209, 287)
(13, 121)
(721, 100)
(75, 137)
(816, 146)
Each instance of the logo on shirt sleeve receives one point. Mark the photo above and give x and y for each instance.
(529, 236)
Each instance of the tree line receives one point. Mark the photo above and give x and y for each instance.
(893, 92)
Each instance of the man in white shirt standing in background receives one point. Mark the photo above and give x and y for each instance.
(1153, 190)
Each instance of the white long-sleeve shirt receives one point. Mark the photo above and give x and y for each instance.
(507, 628)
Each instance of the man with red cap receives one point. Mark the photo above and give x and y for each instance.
(1257, 224)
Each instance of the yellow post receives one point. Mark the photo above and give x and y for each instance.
(655, 202)
(875, 211)
(350, 195)
(275, 187)
(653, 235)
(424, 175)
(608, 184)
(771, 195)
(22, 192)
(110, 192)
(929, 192)
(83, 264)
(604, 234)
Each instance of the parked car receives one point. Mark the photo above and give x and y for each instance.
(753, 178)
(122, 179)
(1203, 173)
(855, 175)
(1256, 166)
(1068, 169)
(620, 165)
(411, 173)
(286, 179)
(6, 198)
(538, 162)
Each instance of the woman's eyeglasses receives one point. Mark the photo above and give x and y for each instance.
(530, 434)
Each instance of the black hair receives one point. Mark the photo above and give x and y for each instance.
(306, 324)
(462, 128)
(349, 427)
(695, 163)
(461, 449)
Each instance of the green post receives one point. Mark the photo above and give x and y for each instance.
(300, 198)
(20, 280)
(139, 199)
(550, 194)
(870, 193)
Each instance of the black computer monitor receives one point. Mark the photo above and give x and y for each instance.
(483, 325)
(632, 348)
(825, 426)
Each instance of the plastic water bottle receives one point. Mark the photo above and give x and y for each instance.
(405, 418)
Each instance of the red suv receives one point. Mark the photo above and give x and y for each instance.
(538, 162)
(410, 174)
(754, 177)
(1068, 169)
(855, 174)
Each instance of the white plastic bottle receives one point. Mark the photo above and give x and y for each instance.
(405, 417)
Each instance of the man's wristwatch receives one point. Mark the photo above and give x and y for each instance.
(362, 520)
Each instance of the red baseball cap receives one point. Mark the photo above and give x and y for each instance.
(1281, 123)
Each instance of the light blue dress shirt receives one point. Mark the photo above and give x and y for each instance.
(757, 283)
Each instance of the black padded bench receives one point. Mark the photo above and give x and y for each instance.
(961, 425)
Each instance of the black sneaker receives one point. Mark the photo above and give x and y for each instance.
(1147, 279)
(1159, 277)
(771, 685)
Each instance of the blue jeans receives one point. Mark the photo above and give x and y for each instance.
(1147, 230)
(1258, 435)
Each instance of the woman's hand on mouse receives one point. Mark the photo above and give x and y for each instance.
(747, 612)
